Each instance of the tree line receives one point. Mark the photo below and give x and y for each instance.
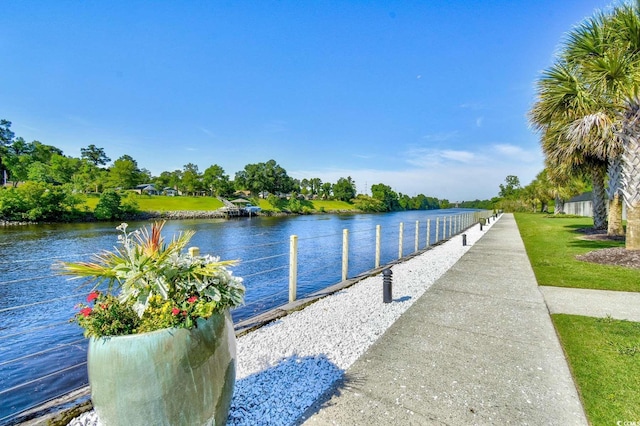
(41, 183)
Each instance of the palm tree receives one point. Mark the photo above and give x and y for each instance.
(608, 51)
(581, 99)
(631, 172)
(607, 68)
(564, 99)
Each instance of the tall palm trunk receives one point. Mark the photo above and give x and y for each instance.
(559, 205)
(631, 173)
(614, 195)
(599, 197)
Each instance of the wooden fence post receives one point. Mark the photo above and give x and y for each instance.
(293, 267)
(345, 254)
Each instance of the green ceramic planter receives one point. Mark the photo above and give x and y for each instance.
(167, 377)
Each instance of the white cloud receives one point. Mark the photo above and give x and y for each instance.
(427, 157)
(460, 156)
(517, 153)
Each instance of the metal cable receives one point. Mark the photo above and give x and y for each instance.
(52, 349)
(31, 330)
(40, 303)
(21, 385)
(21, 280)
(263, 272)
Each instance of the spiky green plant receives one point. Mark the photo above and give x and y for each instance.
(145, 269)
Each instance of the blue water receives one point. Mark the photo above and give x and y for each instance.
(42, 354)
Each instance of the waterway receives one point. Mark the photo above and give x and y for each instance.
(43, 355)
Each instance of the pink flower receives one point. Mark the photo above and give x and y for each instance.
(92, 296)
(184, 313)
(175, 311)
(85, 312)
(192, 299)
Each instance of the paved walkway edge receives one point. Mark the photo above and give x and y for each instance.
(478, 347)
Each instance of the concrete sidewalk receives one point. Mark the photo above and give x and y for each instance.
(477, 348)
(621, 305)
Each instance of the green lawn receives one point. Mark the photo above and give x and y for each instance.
(553, 243)
(604, 355)
(164, 203)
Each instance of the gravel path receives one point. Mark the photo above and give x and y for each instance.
(284, 367)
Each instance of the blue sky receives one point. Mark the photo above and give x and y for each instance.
(425, 96)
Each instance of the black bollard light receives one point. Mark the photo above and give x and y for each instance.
(464, 239)
(386, 286)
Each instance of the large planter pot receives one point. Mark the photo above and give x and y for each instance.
(174, 376)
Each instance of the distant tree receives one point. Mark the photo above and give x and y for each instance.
(344, 189)
(6, 138)
(314, 186)
(62, 168)
(94, 155)
(326, 190)
(510, 190)
(386, 195)
(43, 153)
(125, 174)
(366, 203)
(304, 187)
(169, 179)
(37, 201)
(108, 207)
(191, 179)
(264, 177)
(216, 181)
(404, 201)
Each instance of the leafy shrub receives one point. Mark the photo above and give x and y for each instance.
(108, 207)
(38, 201)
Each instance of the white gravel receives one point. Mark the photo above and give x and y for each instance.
(284, 367)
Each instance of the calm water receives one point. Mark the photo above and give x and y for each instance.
(42, 355)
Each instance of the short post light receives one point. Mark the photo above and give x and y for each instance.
(464, 239)
(386, 286)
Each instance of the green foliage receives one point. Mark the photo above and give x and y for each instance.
(276, 202)
(294, 205)
(386, 196)
(603, 358)
(552, 246)
(129, 204)
(264, 177)
(108, 207)
(478, 204)
(106, 317)
(510, 190)
(369, 204)
(344, 189)
(150, 276)
(37, 201)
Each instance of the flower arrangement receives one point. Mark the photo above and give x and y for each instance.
(152, 285)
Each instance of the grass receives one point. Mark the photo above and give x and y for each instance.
(604, 355)
(553, 243)
(164, 203)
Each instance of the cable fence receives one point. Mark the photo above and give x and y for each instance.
(43, 353)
